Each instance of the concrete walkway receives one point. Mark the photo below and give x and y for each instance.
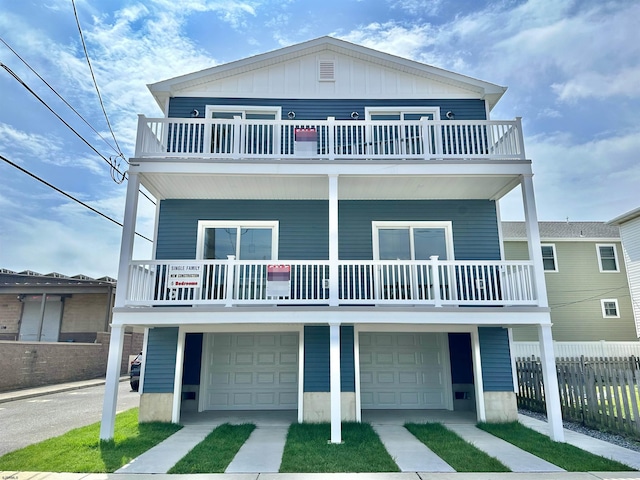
(262, 452)
(514, 458)
(167, 453)
(409, 453)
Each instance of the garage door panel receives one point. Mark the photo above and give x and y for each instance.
(407, 370)
(253, 371)
(384, 358)
(267, 358)
(288, 359)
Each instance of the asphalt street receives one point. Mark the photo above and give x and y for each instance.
(31, 420)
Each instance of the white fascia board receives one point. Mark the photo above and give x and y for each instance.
(159, 317)
(626, 217)
(568, 239)
(360, 168)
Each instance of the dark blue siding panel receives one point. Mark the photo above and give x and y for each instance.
(320, 109)
(316, 359)
(475, 226)
(303, 227)
(460, 357)
(160, 366)
(496, 359)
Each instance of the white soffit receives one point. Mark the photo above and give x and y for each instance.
(300, 187)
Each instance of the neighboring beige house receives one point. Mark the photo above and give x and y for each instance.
(586, 280)
(54, 307)
(629, 225)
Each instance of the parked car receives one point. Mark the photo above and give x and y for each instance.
(134, 375)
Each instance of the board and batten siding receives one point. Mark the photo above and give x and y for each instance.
(316, 359)
(160, 362)
(496, 359)
(575, 291)
(303, 225)
(320, 109)
(630, 235)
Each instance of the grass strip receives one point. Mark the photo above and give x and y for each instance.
(461, 455)
(564, 455)
(81, 451)
(307, 450)
(216, 451)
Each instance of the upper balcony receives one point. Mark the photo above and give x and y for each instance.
(330, 139)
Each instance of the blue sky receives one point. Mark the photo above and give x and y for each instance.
(572, 68)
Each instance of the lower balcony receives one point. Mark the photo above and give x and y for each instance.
(229, 283)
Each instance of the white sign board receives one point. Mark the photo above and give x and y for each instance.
(185, 276)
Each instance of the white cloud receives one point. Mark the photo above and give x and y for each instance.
(23, 144)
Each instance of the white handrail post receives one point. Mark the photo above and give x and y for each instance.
(426, 137)
(140, 135)
(237, 136)
(331, 135)
(229, 279)
(520, 137)
(438, 136)
(435, 278)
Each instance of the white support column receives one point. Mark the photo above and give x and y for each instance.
(128, 238)
(533, 238)
(551, 393)
(177, 379)
(111, 385)
(334, 373)
(477, 375)
(333, 241)
(356, 365)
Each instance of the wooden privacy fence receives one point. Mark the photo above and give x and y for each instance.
(602, 393)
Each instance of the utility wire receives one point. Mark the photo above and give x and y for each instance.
(32, 92)
(58, 95)
(32, 175)
(86, 54)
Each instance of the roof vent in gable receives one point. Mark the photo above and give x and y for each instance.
(326, 70)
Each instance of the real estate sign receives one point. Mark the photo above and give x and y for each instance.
(185, 276)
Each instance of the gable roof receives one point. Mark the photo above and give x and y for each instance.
(562, 230)
(167, 88)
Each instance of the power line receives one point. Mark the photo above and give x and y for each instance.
(86, 54)
(32, 175)
(57, 94)
(32, 92)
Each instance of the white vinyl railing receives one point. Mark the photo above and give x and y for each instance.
(329, 139)
(237, 282)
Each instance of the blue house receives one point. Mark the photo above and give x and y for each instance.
(328, 241)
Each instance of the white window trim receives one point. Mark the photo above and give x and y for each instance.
(615, 256)
(244, 109)
(604, 311)
(555, 257)
(377, 225)
(401, 110)
(204, 224)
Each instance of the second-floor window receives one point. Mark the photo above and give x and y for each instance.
(245, 240)
(610, 308)
(607, 258)
(549, 258)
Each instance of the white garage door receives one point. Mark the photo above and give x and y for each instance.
(252, 371)
(404, 370)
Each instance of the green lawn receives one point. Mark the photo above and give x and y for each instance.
(461, 455)
(80, 450)
(215, 452)
(307, 450)
(563, 455)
